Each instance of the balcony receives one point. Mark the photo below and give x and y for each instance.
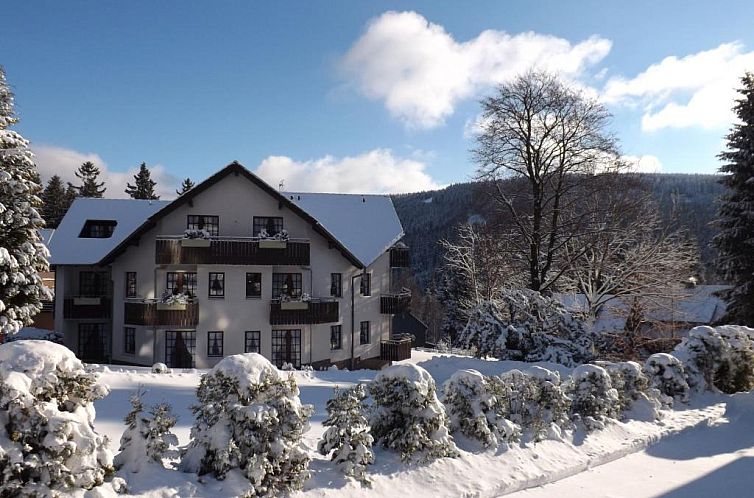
(391, 304)
(304, 312)
(395, 349)
(82, 307)
(231, 251)
(400, 257)
(155, 314)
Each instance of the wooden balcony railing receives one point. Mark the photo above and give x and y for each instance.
(304, 312)
(400, 257)
(153, 314)
(395, 349)
(391, 304)
(232, 251)
(87, 307)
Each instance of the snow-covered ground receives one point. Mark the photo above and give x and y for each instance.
(476, 473)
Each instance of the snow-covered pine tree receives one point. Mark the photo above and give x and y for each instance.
(143, 187)
(407, 416)
(736, 211)
(185, 186)
(484, 332)
(147, 438)
(347, 436)
(22, 254)
(88, 174)
(249, 419)
(48, 445)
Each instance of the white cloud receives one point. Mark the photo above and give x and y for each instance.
(643, 164)
(421, 72)
(375, 171)
(52, 160)
(695, 90)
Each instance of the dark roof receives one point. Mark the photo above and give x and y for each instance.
(236, 169)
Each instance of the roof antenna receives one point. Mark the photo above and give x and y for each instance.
(280, 185)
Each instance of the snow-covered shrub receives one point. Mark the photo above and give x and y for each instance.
(407, 416)
(484, 331)
(147, 438)
(666, 374)
(160, 368)
(347, 435)
(636, 399)
(249, 417)
(593, 398)
(48, 445)
(477, 409)
(737, 374)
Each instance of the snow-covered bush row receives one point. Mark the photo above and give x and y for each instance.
(407, 416)
(477, 407)
(720, 358)
(636, 399)
(527, 326)
(347, 436)
(48, 445)
(249, 419)
(593, 398)
(147, 438)
(667, 375)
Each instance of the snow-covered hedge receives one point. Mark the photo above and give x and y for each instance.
(666, 374)
(477, 408)
(720, 358)
(249, 417)
(147, 438)
(48, 445)
(347, 436)
(636, 399)
(407, 416)
(593, 398)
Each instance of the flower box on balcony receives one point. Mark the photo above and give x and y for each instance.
(171, 306)
(273, 244)
(294, 305)
(195, 242)
(86, 301)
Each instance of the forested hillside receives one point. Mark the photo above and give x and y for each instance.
(431, 216)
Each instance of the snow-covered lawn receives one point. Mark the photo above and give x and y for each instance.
(476, 473)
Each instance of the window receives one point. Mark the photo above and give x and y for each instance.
(214, 343)
(253, 285)
(129, 340)
(366, 284)
(286, 284)
(93, 345)
(98, 229)
(253, 342)
(181, 283)
(130, 284)
(336, 284)
(216, 284)
(364, 333)
(286, 347)
(336, 336)
(203, 222)
(93, 284)
(270, 224)
(179, 349)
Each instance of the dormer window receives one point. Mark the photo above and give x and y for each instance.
(204, 222)
(98, 229)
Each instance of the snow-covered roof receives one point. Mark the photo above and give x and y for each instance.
(367, 225)
(67, 248)
(46, 235)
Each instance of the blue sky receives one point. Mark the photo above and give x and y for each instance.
(355, 96)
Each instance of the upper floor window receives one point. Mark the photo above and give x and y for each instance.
(272, 225)
(216, 284)
(286, 284)
(130, 284)
(181, 283)
(98, 229)
(204, 222)
(253, 285)
(336, 284)
(93, 283)
(366, 284)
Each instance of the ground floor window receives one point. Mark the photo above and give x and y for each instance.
(286, 347)
(179, 348)
(336, 336)
(92, 342)
(129, 340)
(253, 342)
(214, 343)
(364, 333)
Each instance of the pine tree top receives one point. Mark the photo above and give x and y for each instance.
(144, 186)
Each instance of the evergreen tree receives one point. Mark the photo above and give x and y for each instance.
(22, 254)
(70, 196)
(143, 187)
(185, 186)
(88, 174)
(736, 211)
(147, 438)
(54, 202)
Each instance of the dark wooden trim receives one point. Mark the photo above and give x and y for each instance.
(392, 304)
(147, 314)
(400, 257)
(86, 311)
(316, 312)
(230, 252)
(395, 350)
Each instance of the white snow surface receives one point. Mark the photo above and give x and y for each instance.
(67, 248)
(476, 473)
(366, 224)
